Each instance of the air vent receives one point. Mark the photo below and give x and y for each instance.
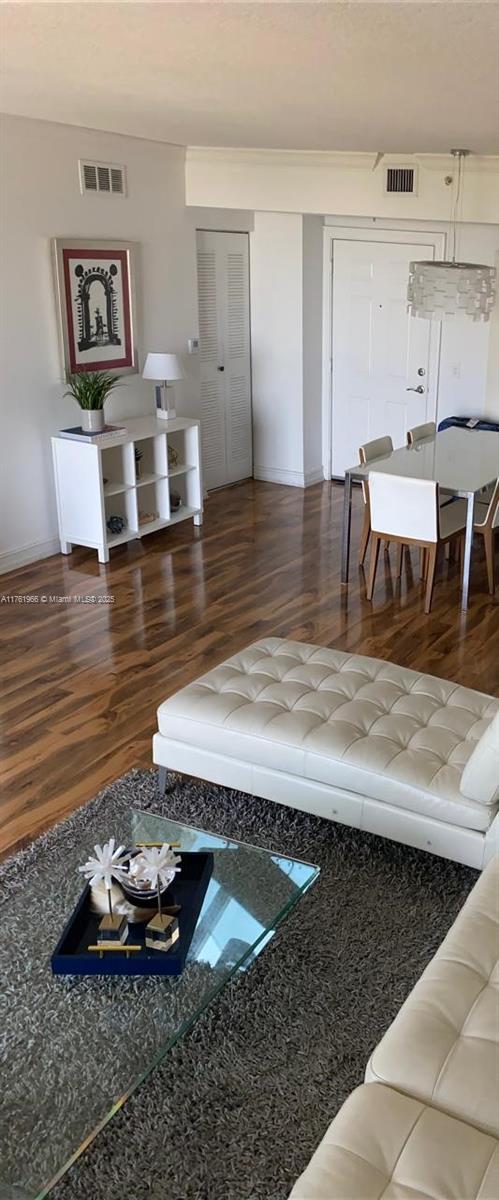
(105, 178)
(400, 180)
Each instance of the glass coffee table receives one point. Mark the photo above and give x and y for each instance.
(78, 1047)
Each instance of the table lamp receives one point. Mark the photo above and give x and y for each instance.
(163, 368)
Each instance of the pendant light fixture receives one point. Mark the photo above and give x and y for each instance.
(442, 289)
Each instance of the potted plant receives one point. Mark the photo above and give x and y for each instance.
(90, 389)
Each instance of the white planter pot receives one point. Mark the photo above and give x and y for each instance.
(92, 420)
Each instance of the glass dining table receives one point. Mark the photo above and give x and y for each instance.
(462, 461)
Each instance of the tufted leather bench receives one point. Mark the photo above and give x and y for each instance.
(427, 1122)
(355, 739)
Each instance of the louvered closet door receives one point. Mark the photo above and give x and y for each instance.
(224, 334)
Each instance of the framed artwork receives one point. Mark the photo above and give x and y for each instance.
(95, 295)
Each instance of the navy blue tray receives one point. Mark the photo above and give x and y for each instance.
(71, 956)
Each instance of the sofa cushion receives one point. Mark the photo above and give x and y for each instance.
(443, 1046)
(480, 777)
(383, 1144)
(362, 724)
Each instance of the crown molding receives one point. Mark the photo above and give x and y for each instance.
(328, 159)
(231, 156)
(445, 162)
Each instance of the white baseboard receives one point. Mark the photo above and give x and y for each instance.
(10, 559)
(288, 478)
(314, 476)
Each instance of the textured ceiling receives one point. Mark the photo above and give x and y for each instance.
(398, 77)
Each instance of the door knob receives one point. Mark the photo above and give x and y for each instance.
(419, 389)
(220, 368)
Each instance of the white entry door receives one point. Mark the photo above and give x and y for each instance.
(224, 356)
(383, 363)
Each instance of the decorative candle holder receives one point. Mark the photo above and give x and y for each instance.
(113, 930)
(107, 864)
(162, 932)
(156, 866)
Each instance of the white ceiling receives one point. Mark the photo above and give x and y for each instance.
(398, 77)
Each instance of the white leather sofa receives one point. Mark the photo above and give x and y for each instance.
(426, 1125)
(361, 741)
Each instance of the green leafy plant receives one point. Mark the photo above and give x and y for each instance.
(90, 389)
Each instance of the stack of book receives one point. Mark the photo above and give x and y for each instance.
(82, 435)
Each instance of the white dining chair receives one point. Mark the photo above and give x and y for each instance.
(407, 511)
(487, 526)
(420, 432)
(378, 448)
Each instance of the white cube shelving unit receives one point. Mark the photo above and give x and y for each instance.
(100, 479)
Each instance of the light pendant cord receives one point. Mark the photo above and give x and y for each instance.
(457, 201)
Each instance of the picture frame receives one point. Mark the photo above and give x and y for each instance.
(95, 295)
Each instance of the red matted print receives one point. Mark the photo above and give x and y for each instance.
(96, 307)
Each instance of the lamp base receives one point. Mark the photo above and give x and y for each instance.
(164, 410)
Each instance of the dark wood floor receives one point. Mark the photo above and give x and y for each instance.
(81, 681)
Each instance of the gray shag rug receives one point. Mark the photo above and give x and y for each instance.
(237, 1108)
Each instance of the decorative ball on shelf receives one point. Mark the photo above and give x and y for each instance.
(116, 523)
(175, 501)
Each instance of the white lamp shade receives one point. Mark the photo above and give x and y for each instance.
(442, 289)
(162, 366)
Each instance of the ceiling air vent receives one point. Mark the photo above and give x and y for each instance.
(401, 180)
(107, 178)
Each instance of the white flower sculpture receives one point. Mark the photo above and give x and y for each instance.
(156, 865)
(109, 863)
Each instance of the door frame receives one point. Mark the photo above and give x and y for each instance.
(350, 233)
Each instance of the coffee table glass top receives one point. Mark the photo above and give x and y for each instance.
(77, 1047)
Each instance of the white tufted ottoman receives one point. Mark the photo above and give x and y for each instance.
(355, 739)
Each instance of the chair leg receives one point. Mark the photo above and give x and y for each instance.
(364, 537)
(423, 563)
(488, 541)
(432, 562)
(375, 545)
(400, 558)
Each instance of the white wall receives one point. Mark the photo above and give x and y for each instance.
(286, 336)
(276, 249)
(318, 182)
(40, 199)
(492, 382)
(312, 347)
(222, 220)
(469, 384)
